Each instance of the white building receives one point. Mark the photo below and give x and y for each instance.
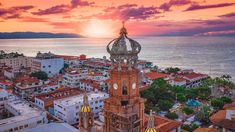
(25, 115)
(54, 127)
(178, 81)
(67, 109)
(73, 75)
(33, 86)
(194, 79)
(47, 62)
(3, 98)
(17, 62)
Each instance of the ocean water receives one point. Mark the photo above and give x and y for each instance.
(210, 55)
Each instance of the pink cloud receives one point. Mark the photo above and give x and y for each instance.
(63, 8)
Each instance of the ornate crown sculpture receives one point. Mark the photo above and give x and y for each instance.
(123, 49)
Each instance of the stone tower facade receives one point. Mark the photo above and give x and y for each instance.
(124, 109)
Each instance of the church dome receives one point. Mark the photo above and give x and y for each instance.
(150, 130)
(85, 107)
(123, 49)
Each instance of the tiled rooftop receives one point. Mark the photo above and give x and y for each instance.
(58, 94)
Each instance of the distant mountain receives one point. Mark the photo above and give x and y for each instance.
(28, 35)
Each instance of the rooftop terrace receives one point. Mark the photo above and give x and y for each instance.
(23, 110)
(79, 98)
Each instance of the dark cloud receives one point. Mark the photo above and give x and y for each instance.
(168, 5)
(14, 12)
(128, 11)
(53, 10)
(228, 15)
(200, 7)
(63, 8)
(198, 27)
(76, 3)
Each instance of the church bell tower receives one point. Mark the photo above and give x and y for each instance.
(124, 109)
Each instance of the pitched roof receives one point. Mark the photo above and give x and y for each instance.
(229, 106)
(163, 124)
(178, 79)
(205, 130)
(6, 83)
(226, 123)
(194, 75)
(218, 116)
(155, 75)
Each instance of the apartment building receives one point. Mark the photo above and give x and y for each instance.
(67, 109)
(24, 115)
(47, 62)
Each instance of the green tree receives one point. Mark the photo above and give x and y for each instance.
(158, 90)
(217, 103)
(40, 75)
(194, 126)
(191, 93)
(187, 128)
(203, 115)
(172, 116)
(181, 97)
(171, 69)
(63, 69)
(187, 110)
(226, 99)
(164, 105)
(178, 89)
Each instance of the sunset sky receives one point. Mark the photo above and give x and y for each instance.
(102, 18)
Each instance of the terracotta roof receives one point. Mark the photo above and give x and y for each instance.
(66, 57)
(141, 62)
(226, 123)
(97, 63)
(58, 94)
(229, 106)
(194, 75)
(218, 116)
(163, 124)
(178, 79)
(5, 83)
(90, 82)
(205, 130)
(155, 75)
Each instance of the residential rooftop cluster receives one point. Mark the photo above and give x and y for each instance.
(49, 88)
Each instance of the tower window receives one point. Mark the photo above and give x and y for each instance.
(124, 103)
(124, 88)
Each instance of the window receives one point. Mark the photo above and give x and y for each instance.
(124, 103)
(124, 88)
(49, 66)
(16, 128)
(25, 126)
(38, 122)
